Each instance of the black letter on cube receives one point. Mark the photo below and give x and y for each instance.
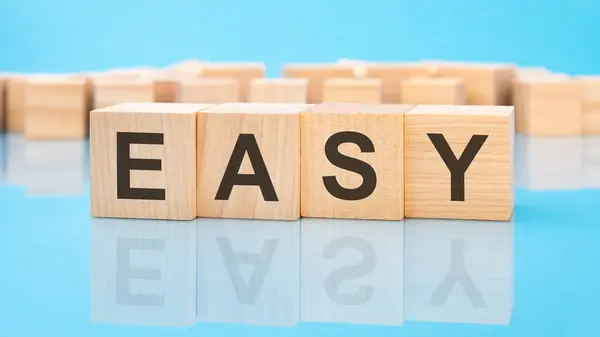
(351, 164)
(125, 164)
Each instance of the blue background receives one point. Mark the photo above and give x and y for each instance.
(75, 35)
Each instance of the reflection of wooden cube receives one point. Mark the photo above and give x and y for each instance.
(111, 91)
(352, 90)
(359, 147)
(56, 107)
(548, 106)
(590, 104)
(393, 74)
(317, 74)
(459, 162)
(244, 73)
(485, 84)
(248, 161)
(427, 90)
(15, 103)
(279, 90)
(143, 161)
(209, 90)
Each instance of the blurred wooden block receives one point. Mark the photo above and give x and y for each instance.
(110, 91)
(2, 102)
(352, 161)
(526, 72)
(393, 74)
(209, 90)
(352, 90)
(244, 73)
(485, 84)
(56, 107)
(316, 75)
(266, 185)
(429, 90)
(189, 67)
(279, 90)
(143, 161)
(459, 162)
(15, 103)
(548, 106)
(360, 69)
(590, 86)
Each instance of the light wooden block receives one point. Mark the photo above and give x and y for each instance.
(191, 67)
(392, 75)
(359, 66)
(430, 90)
(109, 91)
(249, 161)
(353, 90)
(57, 107)
(15, 103)
(352, 161)
(459, 271)
(317, 74)
(244, 73)
(352, 271)
(485, 84)
(526, 72)
(279, 90)
(249, 272)
(2, 102)
(590, 86)
(209, 90)
(143, 161)
(143, 272)
(549, 106)
(476, 144)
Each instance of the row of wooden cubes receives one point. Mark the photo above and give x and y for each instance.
(282, 161)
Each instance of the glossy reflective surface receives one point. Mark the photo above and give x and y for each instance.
(66, 274)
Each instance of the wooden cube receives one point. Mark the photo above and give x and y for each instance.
(57, 107)
(143, 272)
(209, 90)
(459, 271)
(549, 106)
(250, 270)
(2, 102)
(352, 90)
(392, 75)
(143, 161)
(485, 84)
(459, 162)
(15, 103)
(244, 73)
(279, 90)
(375, 295)
(429, 90)
(249, 161)
(590, 86)
(317, 74)
(352, 161)
(109, 91)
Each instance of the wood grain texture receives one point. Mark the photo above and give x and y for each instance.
(279, 90)
(177, 155)
(276, 131)
(110, 91)
(244, 73)
(488, 180)
(209, 90)
(429, 90)
(317, 74)
(353, 90)
(393, 74)
(590, 96)
(383, 125)
(485, 84)
(57, 108)
(548, 106)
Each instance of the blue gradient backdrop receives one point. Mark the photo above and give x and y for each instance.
(74, 35)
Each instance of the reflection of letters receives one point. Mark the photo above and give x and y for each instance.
(125, 273)
(457, 275)
(364, 267)
(247, 293)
